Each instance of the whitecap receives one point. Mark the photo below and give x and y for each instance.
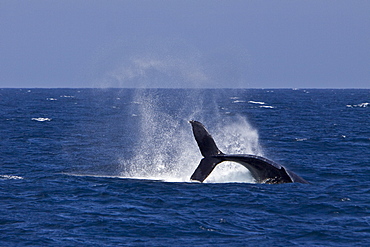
(67, 96)
(300, 139)
(10, 177)
(363, 105)
(239, 101)
(267, 106)
(256, 102)
(41, 119)
(51, 99)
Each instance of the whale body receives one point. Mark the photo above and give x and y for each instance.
(263, 170)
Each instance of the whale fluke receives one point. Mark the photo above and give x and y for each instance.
(262, 169)
(205, 141)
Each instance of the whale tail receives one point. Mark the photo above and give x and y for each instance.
(205, 141)
(209, 150)
(262, 169)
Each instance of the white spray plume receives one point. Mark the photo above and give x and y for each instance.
(167, 150)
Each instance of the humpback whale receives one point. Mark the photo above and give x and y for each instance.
(263, 170)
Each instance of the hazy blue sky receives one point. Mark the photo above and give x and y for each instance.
(203, 43)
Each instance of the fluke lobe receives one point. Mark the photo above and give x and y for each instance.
(262, 169)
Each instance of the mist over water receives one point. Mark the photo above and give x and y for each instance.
(171, 63)
(166, 149)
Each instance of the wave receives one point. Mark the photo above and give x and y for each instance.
(301, 139)
(237, 100)
(41, 119)
(363, 105)
(261, 104)
(10, 177)
(256, 102)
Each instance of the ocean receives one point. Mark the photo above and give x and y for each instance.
(112, 167)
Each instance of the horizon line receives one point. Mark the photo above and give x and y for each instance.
(203, 88)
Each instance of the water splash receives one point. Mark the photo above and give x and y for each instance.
(236, 137)
(167, 151)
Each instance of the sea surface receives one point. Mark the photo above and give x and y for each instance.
(112, 167)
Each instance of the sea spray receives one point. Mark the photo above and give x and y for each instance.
(236, 136)
(166, 149)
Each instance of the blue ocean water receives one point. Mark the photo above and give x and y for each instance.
(112, 167)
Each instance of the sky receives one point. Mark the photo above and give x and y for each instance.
(185, 44)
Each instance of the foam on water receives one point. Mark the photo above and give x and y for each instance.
(261, 104)
(41, 119)
(66, 96)
(363, 105)
(267, 106)
(167, 149)
(256, 102)
(10, 177)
